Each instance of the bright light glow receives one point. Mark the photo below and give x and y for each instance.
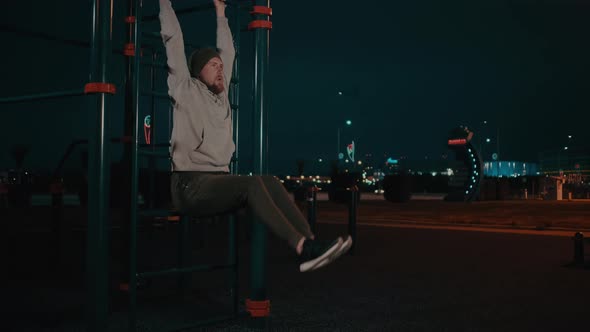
(348, 122)
(360, 162)
(569, 136)
(340, 93)
(288, 177)
(565, 148)
(320, 160)
(302, 177)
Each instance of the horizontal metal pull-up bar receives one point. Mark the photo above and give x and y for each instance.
(155, 64)
(48, 37)
(156, 94)
(43, 96)
(155, 36)
(42, 35)
(196, 8)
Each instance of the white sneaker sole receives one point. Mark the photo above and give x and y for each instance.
(311, 264)
(341, 251)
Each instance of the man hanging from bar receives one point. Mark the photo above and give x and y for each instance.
(202, 146)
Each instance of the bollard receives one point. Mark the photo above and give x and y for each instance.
(311, 198)
(569, 196)
(579, 248)
(352, 213)
(3, 195)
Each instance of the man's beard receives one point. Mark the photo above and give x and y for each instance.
(216, 87)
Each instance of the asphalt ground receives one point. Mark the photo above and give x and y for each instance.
(405, 275)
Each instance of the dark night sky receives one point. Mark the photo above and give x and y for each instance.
(409, 71)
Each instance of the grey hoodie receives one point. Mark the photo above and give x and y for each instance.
(202, 136)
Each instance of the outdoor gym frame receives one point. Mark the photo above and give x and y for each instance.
(100, 91)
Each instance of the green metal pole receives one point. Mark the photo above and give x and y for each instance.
(125, 163)
(259, 231)
(233, 231)
(152, 136)
(98, 172)
(42, 96)
(235, 100)
(135, 68)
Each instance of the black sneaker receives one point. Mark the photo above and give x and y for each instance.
(314, 252)
(346, 245)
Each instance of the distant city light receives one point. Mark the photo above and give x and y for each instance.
(320, 160)
(488, 140)
(565, 148)
(340, 93)
(569, 136)
(348, 122)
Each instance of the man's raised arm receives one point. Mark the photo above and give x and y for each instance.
(174, 43)
(225, 42)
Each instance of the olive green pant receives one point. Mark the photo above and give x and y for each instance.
(207, 194)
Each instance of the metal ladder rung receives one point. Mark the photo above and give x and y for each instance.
(157, 94)
(158, 213)
(156, 154)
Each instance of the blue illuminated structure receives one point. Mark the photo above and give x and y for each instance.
(509, 169)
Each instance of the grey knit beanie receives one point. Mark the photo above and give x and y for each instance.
(199, 58)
